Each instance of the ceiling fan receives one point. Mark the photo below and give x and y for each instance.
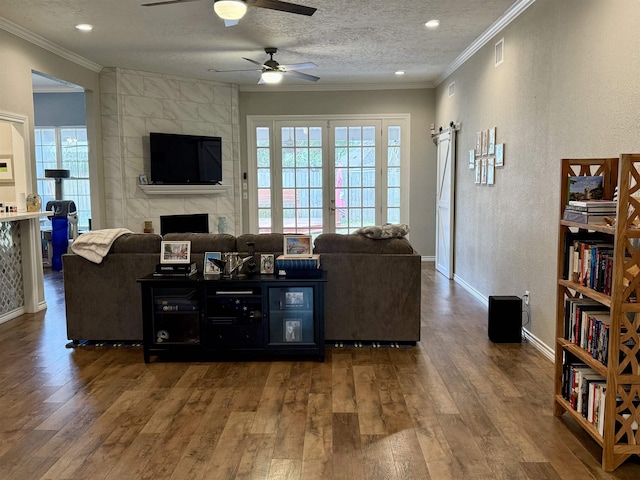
(272, 71)
(233, 10)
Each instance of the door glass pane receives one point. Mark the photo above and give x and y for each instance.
(263, 154)
(302, 184)
(351, 177)
(394, 173)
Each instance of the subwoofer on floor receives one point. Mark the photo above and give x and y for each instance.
(505, 319)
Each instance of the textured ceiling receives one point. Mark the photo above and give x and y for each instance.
(356, 42)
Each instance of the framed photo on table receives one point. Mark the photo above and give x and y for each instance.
(175, 252)
(210, 266)
(297, 246)
(267, 263)
(292, 331)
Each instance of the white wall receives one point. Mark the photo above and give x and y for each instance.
(135, 103)
(18, 58)
(568, 88)
(419, 103)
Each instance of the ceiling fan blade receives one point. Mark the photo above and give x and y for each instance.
(283, 6)
(262, 65)
(261, 81)
(213, 70)
(299, 66)
(166, 2)
(304, 76)
(230, 23)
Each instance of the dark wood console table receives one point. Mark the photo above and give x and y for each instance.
(236, 318)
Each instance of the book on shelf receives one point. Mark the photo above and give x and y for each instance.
(174, 274)
(585, 187)
(593, 204)
(298, 263)
(586, 217)
(595, 209)
(176, 267)
(571, 254)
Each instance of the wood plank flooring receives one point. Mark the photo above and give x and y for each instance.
(454, 407)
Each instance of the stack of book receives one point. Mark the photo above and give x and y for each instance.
(175, 269)
(178, 301)
(589, 211)
(298, 267)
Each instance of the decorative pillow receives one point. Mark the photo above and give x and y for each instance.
(387, 230)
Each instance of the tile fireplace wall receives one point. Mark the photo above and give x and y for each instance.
(134, 103)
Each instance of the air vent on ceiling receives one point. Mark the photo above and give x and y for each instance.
(500, 52)
(452, 89)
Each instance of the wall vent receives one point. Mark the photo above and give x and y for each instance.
(500, 52)
(452, 89)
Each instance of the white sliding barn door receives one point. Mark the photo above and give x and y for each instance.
(445, 143)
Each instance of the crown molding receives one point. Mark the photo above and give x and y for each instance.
(334, 88)
(509, 16)
(42, 42)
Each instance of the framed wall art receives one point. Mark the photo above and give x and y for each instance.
(6, 169)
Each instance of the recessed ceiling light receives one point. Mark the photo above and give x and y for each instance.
(400, 72)
(432, 23)
(84, 27)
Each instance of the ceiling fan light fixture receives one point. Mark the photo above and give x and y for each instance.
(230, 9)
(271, 76)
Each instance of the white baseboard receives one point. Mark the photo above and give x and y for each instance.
(11, 315)
(471, 290)
(424, 258)
(539, 345)
(542, 347)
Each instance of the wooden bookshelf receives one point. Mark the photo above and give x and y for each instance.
(621, 437)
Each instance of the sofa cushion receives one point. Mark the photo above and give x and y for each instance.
(356, 243)
(137, 243)
(205, 242)
(264, 242)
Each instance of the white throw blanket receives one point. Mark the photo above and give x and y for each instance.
(95, 245)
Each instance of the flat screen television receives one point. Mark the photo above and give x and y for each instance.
(185, 159)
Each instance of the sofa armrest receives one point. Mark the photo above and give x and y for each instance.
(372, 297)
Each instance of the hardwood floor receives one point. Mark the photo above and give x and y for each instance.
(454, 407)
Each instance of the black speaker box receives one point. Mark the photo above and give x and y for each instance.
(505, 319)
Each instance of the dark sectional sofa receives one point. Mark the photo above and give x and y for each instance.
(372, 291)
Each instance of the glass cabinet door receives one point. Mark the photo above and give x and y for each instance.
(176, 316)
(291, 319)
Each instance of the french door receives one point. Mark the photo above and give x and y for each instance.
(312, 176)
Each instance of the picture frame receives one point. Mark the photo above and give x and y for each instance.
(485, 142)
(297, 246)
(500, 155)
(142, 179)
(6, 169)
(175, 252)
(209, 267)
(472, 159)
(483, 175)
(478, 171)
(267, 263)
(491, 171)
(478, 149)
(294, 299)
(492, 141)
(292, 330)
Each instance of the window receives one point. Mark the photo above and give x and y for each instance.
(316, 175)
(65, 148)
